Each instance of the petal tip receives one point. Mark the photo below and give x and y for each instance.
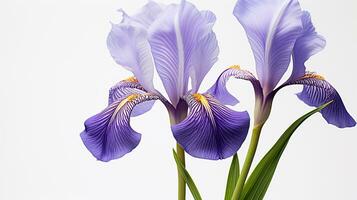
(108, 135)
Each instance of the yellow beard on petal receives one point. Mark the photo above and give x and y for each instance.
(200, 98)
(121, 104)
(235, 67)
(313, 75)
(131, 79)
(203, 100)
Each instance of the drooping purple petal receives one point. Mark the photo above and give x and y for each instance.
(219, 89)
(128, 43)
(272, 27)
(308, 44)
(108, 135)
(127, 87)
(183, 45)
(316, 92)
(211, 130)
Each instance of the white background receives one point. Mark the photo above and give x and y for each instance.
(55, 72)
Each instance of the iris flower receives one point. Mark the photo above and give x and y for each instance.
(177, 40)
(279, 30)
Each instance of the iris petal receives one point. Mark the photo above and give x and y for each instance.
(219, 90)
(205, 52)
(127, 87)
(272, 27)
(183, 45)
(128, 43)
(146, 16)
(211, 130)
(308, 44)
(318, 91)
(108, 135)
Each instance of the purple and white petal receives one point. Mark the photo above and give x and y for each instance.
(316, 92)
(272, 27)
(127, 87)
(211, 130)
(108, 135)
(308, 44)
(219, 89)
(183, 45)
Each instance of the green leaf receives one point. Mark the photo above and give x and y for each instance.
(258, 182)
(233, 176)
(186, 176)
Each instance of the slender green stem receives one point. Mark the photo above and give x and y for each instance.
(181, 181)
(176, 116)
(248, 161)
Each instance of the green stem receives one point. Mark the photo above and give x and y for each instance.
(248, 161)
(181, 181)
(176, 116)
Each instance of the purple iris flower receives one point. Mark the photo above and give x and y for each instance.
(279, 30)
(177, 40)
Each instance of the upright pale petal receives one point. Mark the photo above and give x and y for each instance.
(308, 44)
(146, 16)
(317, 91)
(205, 52)
(128, 43)
(129, 47)
(272, 27)
(127, 87)
(219, 90)
(211, 130)
(183, 45)
(108, 135)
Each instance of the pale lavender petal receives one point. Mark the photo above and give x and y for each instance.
(108, 135)
(142, 108)
(219, 89)
(128, 44)
(272, 27)
(316, 92)
(308, 44)
(182, 42)
(211, 130)
(129, 47)
(146, 16)
(205, 51)
(127, 87)
(209, 16)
